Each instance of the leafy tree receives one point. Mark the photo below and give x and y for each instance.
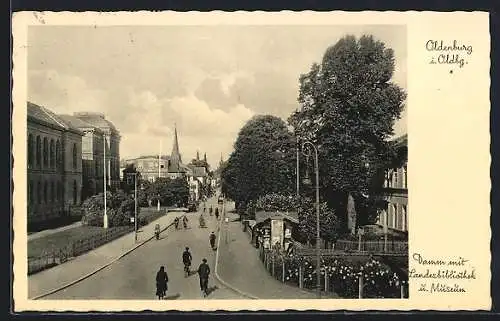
(128, 183)
(120, 207)
(349, 107)
(262, 161)
(169, 191)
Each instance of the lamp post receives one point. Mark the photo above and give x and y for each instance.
(105, 217)
(318, 239)
(135, 204)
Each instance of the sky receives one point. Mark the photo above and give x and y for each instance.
(205, 80)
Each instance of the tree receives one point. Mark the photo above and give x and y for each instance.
(349, 107)
(128, 183)
(120, 207)
(262, 161)
(169, 191)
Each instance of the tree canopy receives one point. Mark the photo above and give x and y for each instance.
(349, 107)
(262, 161)
(120, 207)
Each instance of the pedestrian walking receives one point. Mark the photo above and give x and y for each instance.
(217, 213)
(203, 273)
(161, 283)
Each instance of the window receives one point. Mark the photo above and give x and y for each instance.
(45, 152)
(75, 192)
(405, 177)
(52, 154)
(45, 190)
(75, 156)
(52, 192)
(58, 155)
(38, 151)
(30, 192)
(395, 178)
(404, 218)
(30, 151)
(39, 192)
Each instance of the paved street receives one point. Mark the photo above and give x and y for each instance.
(240, 266)
(133, 277)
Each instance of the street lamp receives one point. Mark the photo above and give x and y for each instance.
(307, 146)
(135, 203)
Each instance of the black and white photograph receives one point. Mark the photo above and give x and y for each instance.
(217, 162)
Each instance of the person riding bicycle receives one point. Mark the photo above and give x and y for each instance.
(176, 222)
(184, 221)
(217, 213)
(186, 259)
(212, 238)
(202, 221)
(210, 210)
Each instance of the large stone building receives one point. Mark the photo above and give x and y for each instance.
(92, 156)
(54, 165)
(395, 216)
(111, 136)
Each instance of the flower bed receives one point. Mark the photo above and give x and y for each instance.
(342, 275)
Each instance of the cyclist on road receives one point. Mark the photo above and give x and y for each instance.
(186, 259)
(184, 221)
(212, 240)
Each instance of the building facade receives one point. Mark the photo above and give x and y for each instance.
(54, 165)
(92, 156)
(110, 150)
(395, 216)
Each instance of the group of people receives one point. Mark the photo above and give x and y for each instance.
(203, 273)
(184, 222)
(211, 211)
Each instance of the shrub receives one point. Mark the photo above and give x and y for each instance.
(120, 207)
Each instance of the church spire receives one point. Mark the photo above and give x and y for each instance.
(176, 155)
(197, 155)
(205, 157)
(221, 161)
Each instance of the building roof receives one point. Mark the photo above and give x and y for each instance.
(262, 216)
(78, 123)
(47, 117)
(199, 171)
(96, 119)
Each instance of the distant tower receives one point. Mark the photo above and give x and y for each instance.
(221, 161)
(197, 155)
(205, 157)
(175, 157)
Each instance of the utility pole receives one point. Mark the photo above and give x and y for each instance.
(105, 218)
(135, 205)
(159, 174)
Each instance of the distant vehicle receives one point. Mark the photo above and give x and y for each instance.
(192, 207)
(221, 200)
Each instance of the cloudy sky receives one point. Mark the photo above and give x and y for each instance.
(208, 80)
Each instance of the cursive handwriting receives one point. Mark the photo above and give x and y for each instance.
(447, 274)
(451, 53)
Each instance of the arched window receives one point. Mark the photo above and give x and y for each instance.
(52, 192)
(38, 151)
(58, 155)
(75, 192)
(45, 152)
(39, 192)
(61, 192)
(75, 156)
(45, 190)
(30, 192)
(52, 154)
(30, 151)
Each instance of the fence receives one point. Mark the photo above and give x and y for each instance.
(78, 247)
(369, 280)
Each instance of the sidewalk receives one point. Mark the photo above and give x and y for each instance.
(84, 264)
(239, 266)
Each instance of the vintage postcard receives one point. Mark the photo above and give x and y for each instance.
(251, 161)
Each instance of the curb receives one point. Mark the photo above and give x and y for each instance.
(98, 269)
(217, 264)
